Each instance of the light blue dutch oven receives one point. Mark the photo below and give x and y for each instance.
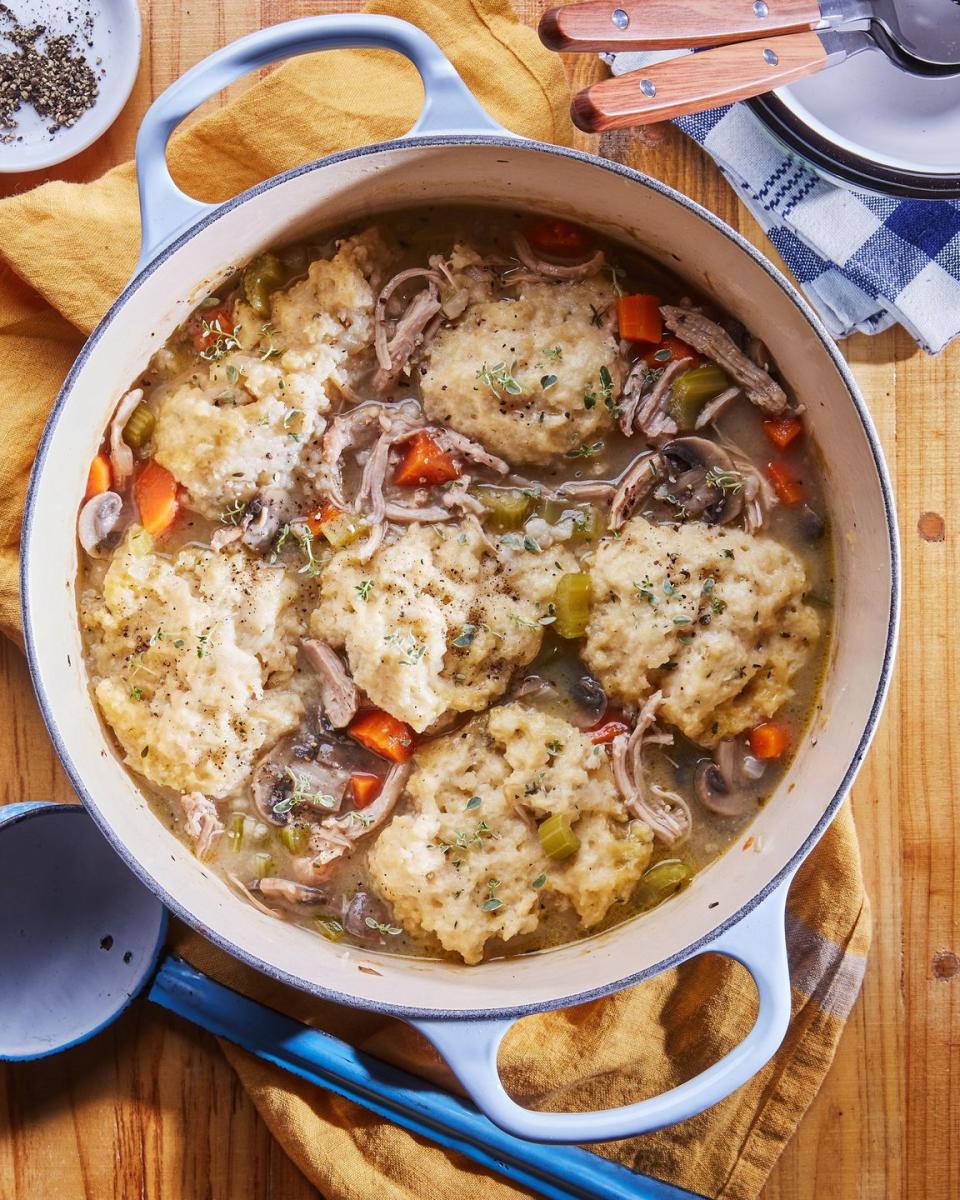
(457, 153)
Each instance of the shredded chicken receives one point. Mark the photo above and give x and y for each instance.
(338, 693)
(539, 267)
(222, 538)
(380, 341)
(344, 432)
(336, 836)
(651, 416)
(425, 514)
(666, 812)
(715, 407)
(458, 496)
(707, 337)
(287, 891)
(202, 823)
(121, 456)
(411, 330)
(449, 439)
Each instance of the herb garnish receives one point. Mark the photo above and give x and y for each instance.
(373, 923)
(465, 637)
(493, 901)
(364, 588)
(725, 480)
(223, 340)
(499, 380)
(585, 450)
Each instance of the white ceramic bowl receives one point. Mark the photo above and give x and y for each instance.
(115, 51)
(486, 166)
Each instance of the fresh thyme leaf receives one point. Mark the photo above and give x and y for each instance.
(364, 588)
(223, 340)
(585, 450)
(725, 480)
(465, 637)
(540, 880)
(373, 923)
(499, 380)
(136, 693)
(547, 381)
(473, 802)
(531, 546)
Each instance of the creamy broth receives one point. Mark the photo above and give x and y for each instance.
(525, 512)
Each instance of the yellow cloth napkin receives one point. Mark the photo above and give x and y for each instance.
(65, 252)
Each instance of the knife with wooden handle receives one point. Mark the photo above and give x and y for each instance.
(721, 75)
(672, 24)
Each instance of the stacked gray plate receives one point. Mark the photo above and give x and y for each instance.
(868, 125)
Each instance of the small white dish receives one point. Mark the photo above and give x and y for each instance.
(116, 43)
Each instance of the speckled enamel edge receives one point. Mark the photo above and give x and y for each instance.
(788, 868)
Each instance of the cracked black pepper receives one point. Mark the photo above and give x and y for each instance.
(46, 70)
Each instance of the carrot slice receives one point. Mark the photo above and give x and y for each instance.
(782, 430)
(100, 478)
(425, 463)
(768, 740)
(365, 789)
(561, 239)
(607, 728)
(383, 734)
(211, 325)
(639, 319)
(155, 491)
(785, 483)
(671, 349)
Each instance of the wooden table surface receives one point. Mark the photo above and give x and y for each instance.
(151, 1108)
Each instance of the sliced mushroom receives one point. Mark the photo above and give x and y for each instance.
(287, 891)
(701, 480)
(590, 699)
(707, 337)
(588, 489)
(362, 906)
(262, 517)
(283, 768)
(98, 526)
(338, 693)
(713, 791)
(811, 524)
(121, 456)
(635, 483)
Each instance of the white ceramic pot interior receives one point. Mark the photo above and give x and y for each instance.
(331, 195)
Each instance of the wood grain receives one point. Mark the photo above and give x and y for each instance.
(151, 1110)
(694, 82)
(667, 24)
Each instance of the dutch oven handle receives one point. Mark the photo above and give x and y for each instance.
(448, 105)
(758, 941)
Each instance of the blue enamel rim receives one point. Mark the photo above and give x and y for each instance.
(816, 327)
(43, 808)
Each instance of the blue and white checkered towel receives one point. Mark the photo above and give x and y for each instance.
(864, 261)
